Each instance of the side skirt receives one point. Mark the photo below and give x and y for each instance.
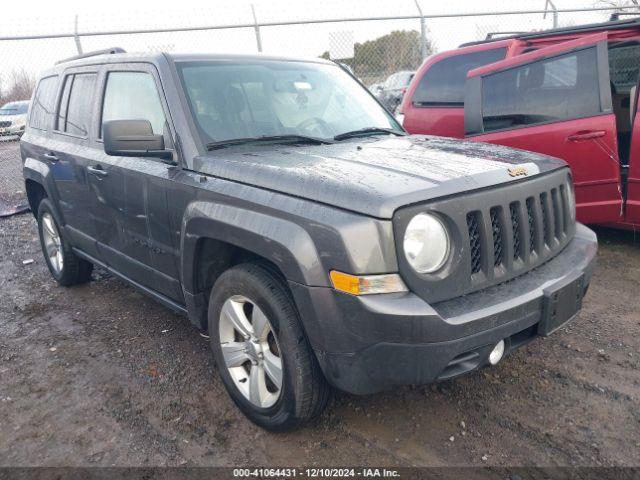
(167, 302)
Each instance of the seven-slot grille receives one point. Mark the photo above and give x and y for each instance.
(519, 233)
(5, 124)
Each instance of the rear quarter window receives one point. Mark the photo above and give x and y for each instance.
(43, 105)
(443, 83)
(549, 90)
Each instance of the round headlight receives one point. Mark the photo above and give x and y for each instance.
(426, 243)
(571, 200)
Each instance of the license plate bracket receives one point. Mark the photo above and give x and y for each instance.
(561, 303)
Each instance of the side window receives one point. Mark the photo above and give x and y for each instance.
(74, 115)
(550, 90)
(43, 104)
(133, 96)
(443, 83)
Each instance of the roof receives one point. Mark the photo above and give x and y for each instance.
(118, 55)
(591, 27)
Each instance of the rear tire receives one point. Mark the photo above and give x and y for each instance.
(65, 266)
(253, 295)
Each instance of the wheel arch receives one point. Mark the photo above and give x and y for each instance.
(35, 193)
(217, 237)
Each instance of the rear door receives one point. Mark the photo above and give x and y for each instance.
(556, 101)
(68, 155)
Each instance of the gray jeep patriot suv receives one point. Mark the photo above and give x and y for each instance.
(275, 203)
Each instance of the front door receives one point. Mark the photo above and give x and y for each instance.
(556, 101)
(130, 193)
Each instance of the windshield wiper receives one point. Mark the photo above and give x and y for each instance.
(368, 131)
(266, 138)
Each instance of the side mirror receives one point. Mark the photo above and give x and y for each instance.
(133, 138)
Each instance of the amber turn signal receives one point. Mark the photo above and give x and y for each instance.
(367, 284)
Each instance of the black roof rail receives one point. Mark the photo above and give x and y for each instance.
(107, 51)
(611, 25)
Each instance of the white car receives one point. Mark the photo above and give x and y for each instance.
(13, 118)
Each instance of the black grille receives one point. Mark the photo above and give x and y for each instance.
(515, 228)
(496, 228)
(5, 124)
(544, 213)
(532, 225)
(558, 227)
(475, 245)
(565, 206)
(545, 218)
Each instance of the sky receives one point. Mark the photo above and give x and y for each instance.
(37, 17)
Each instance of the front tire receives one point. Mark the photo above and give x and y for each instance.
(262, 354)
(65, 266)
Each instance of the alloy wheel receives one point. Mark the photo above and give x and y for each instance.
(250, 351)
(52, 243)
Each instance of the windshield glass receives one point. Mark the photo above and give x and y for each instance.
(14, 108)
(256, 98)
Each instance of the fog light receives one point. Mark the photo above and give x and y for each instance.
(496, 354)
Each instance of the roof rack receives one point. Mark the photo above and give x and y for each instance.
(107, 51)
(611, 25)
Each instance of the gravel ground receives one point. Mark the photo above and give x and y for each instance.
(101, 375)
(11, 183)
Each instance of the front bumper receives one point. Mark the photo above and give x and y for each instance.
(372, 343)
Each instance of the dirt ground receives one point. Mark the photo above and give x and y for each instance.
(101, 375)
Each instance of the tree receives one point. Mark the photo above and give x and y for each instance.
(374, 60)
(18, 85)
(621, 6)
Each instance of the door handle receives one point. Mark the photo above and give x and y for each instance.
(52, 157)
(586, 135)
(97, 171)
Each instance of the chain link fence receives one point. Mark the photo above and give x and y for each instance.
(375, 38)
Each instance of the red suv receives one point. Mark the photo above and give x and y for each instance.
(570, 93)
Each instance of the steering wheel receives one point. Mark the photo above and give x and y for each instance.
(315, 126)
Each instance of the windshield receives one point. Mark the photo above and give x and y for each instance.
(14, 108)
(261, 98)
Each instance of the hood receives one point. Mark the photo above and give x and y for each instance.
(377, 175)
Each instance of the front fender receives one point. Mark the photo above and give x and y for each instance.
(286, 244)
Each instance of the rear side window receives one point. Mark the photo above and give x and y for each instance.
(443, 83)
(550, 90)
(74, 116)
(43, 104)
(133, 96)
